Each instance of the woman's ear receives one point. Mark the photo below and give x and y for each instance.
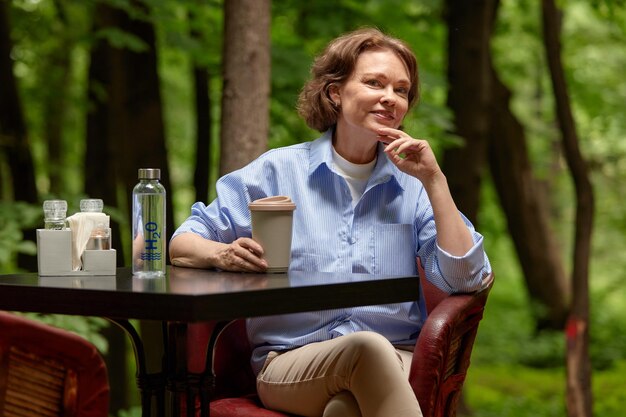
(333, 93)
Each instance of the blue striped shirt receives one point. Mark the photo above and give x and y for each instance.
(382, 233)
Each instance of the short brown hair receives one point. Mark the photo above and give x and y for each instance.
(336, 64)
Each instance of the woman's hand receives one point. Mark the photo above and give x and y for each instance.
(453, 236)
(243, 255)
(193, 251)
(417, 160)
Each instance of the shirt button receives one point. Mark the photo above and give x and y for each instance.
(352, 240)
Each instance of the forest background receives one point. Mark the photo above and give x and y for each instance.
(92, 90)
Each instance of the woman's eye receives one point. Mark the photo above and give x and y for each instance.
(402, 91)
(373, 83)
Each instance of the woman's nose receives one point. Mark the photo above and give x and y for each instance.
(388, 97)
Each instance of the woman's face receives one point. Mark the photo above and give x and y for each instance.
(374, 96)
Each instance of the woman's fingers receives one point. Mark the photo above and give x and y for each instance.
(413, 156)
(250, 253)
(244, 255)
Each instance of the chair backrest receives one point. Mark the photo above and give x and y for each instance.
(45, 371)
(432, 294)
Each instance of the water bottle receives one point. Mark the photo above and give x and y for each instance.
(149, 245)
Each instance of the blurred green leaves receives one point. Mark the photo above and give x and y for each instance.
(14, 218)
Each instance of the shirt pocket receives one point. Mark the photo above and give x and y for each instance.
(394, 249)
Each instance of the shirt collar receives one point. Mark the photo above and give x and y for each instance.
(321, 154)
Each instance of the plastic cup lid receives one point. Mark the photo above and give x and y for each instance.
(275, 203)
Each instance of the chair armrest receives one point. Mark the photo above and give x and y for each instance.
(442, 352)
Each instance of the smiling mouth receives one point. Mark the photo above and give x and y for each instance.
(384, 115)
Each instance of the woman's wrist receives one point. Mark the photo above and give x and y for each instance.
(435, 182)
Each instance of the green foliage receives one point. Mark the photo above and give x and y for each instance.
(608, 344)
(14, 218)
(87, 327)
(609, 390)
(507, 334)
(123, 40)
(131, 412)
(517, 391)
(50, 61)
(514, 391)
(517, 372)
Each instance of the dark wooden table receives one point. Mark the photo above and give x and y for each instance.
(191, 295)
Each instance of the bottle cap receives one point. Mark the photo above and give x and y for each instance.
(92, 205)
(55, 209)
(149, 173)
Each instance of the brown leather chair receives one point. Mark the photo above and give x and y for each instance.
(440, 359)
(46, 371)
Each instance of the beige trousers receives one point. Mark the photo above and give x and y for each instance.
(357, 375)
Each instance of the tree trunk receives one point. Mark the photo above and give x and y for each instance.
(526, 214)
(579, 394)
(483, 119)
(54, 114)
(144, 137)
(202, 172)
(57, 73)
(525, 210)
(125, 128)
(105, 122)
(201, 87)
(245, 100)
(470, 25)
(101, 175)
(14, 142)
(125, 132)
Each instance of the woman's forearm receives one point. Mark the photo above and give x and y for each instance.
(194, 251)
(453, 235)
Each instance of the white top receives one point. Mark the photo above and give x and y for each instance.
(356, 175)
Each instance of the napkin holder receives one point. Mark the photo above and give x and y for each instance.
(54, 256)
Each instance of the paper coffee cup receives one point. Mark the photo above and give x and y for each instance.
(272, 225)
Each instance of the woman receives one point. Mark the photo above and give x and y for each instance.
(370, 199)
